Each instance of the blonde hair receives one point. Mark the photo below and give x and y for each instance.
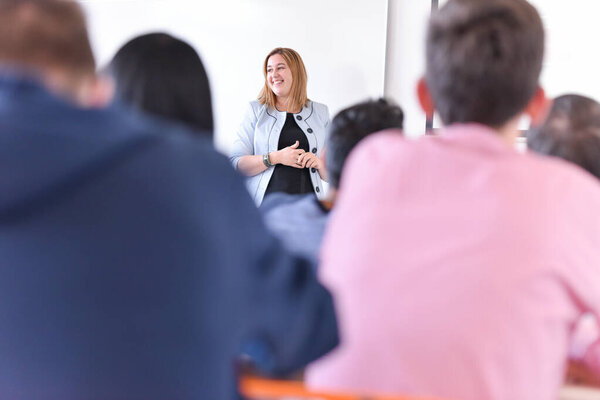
(297, 98)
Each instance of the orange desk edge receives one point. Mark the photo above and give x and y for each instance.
(262, 388)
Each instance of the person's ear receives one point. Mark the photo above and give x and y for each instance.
(101, 92)
(425, 99)
(538, 107)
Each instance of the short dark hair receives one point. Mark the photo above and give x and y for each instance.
(571, 131)
(164, 76)
(353, 124)
(484, 58)
(44, 35)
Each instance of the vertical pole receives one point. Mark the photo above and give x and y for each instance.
(388, 41)
(429, 118)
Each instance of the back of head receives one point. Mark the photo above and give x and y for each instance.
(484, 58)
(47, 37)
(353, 124)
(571, 131)
(163, 75)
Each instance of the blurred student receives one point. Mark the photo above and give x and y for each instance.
(458, 265)
(134, 263)
(571, 131)
(300, 220)
(164, 76)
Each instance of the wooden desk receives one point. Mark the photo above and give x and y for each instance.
(571, 392)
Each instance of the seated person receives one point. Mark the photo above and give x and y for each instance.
(164, 76)
(571, 131)
(134, 264)
(459, 266)
(299, 220)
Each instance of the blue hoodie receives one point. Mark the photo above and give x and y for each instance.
(133, 263)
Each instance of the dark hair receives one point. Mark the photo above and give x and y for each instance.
(571, 131)
(45, 34)
(484, 58)
(163, 75)
(353, 124)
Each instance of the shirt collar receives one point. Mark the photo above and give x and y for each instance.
(305, 113)
(476, 136)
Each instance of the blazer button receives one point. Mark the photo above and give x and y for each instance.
(313, 170)
(299, 117)
(317, 189)
(314, 150)
(309, 130)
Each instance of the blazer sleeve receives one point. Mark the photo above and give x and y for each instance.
(325, 119)
(244, 142)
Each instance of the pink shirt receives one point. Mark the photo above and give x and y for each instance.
(459, 268)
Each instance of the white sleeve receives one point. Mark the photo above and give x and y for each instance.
(244, 142)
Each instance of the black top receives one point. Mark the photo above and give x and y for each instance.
(289, 179)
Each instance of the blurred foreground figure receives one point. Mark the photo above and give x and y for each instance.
(459, 266)
(134, 263)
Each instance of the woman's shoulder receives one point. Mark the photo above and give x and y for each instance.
(255, 110)
(260, 110)
(318, 109)
(257, 106)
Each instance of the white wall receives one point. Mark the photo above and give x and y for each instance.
(571, 63)
(406, 58)
(342, 44)
(353, 50)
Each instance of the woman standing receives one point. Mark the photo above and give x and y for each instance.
(283, 133)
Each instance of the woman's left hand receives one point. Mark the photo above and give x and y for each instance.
(309, 160)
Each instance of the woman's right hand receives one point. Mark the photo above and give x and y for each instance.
(288, 156)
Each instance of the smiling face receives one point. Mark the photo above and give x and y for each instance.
(284, 88)
(279, 76)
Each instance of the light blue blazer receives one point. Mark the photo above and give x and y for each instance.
(259, 134)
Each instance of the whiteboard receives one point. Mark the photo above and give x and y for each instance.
(571, 61)
(342, 43)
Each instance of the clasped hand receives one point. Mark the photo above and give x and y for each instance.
(298, 158)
